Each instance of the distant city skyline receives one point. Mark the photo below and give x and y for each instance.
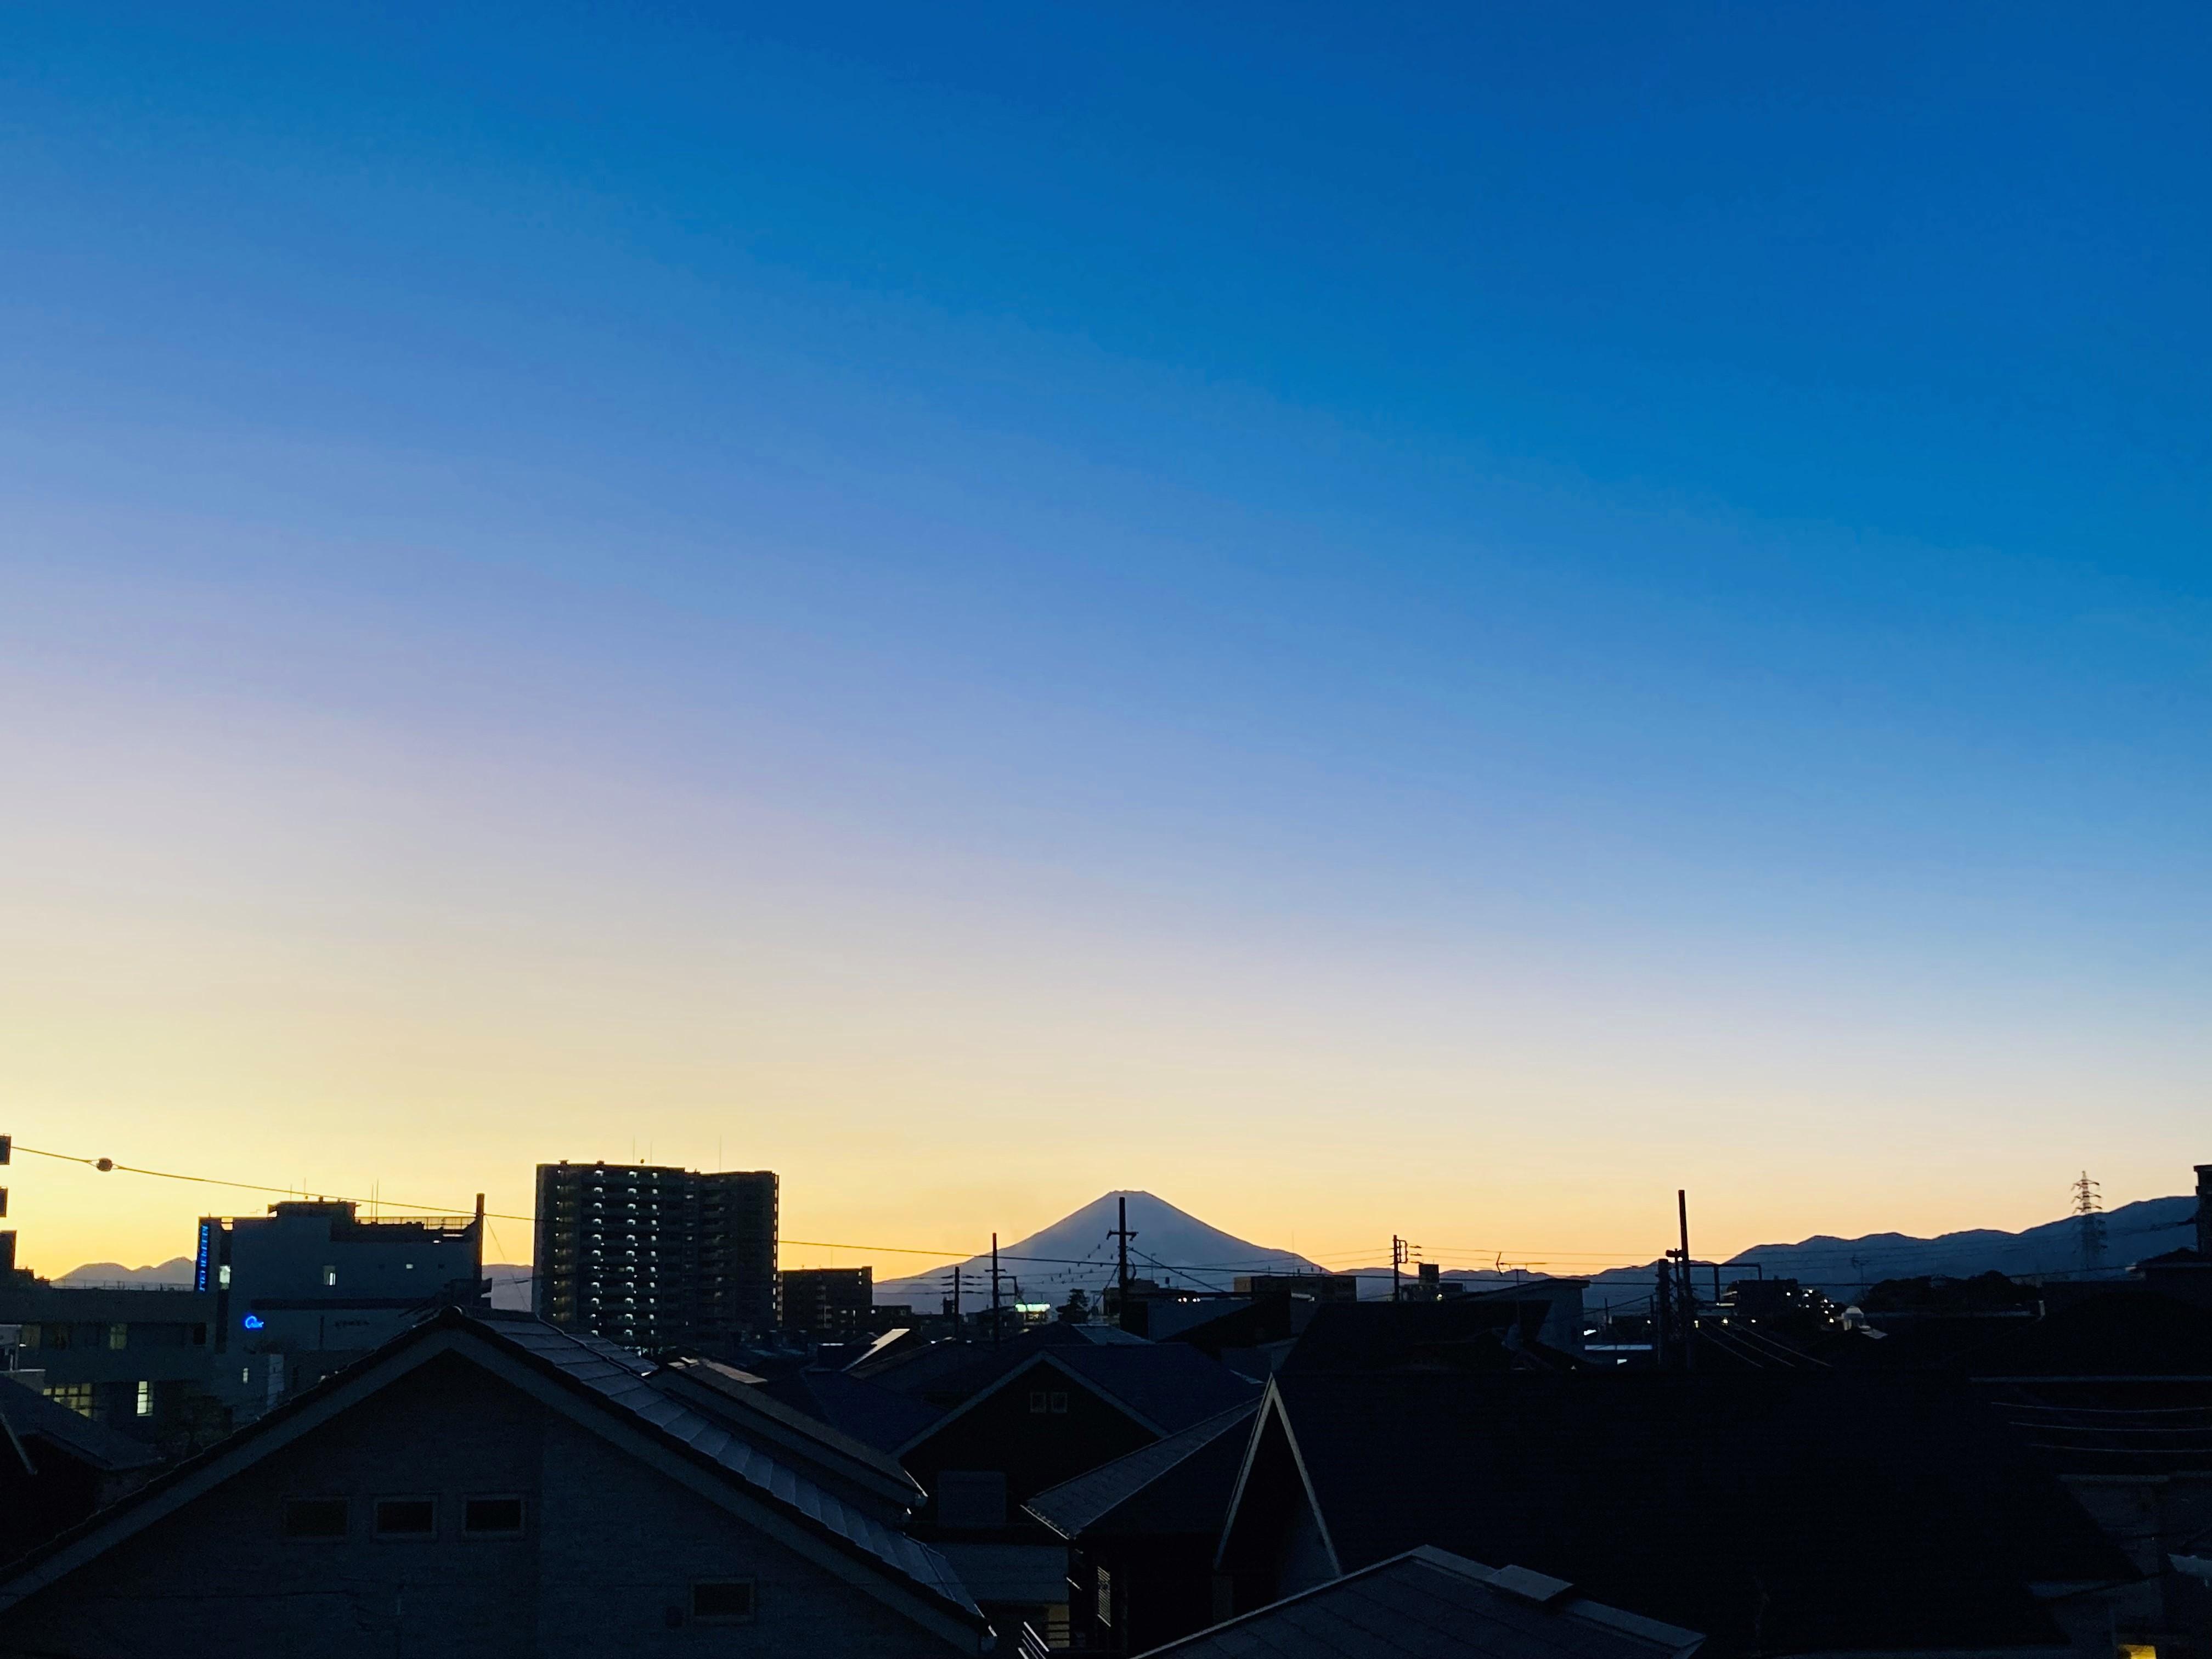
(1436, 624)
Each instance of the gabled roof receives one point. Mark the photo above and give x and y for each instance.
(1165, 1387)
(1757, 1507)
(26, 1415)
(881, 1417)
(595, 1376)
(1181, 1483)
(1468, 1333)
(1430, 1603)
(721, 1389)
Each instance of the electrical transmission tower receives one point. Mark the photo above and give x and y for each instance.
(2089, 1215)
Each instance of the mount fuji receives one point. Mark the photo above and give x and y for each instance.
(1078, 1252)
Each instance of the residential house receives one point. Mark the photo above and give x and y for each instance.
(1784, 1512)
(1141, 1533)
(1431, 1603)
(57, 1466)
(489, 1485)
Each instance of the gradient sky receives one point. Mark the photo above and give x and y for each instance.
(1437, 622)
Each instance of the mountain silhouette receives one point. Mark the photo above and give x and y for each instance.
(1171, 1246)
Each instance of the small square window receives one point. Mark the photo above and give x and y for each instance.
(118, 1336)
(492, 1517)
(406, 1517)
(1037, 1401)
(145, 1404)
(76, 1396)
(723, 1601)
(315, 1517)
(1059, 1405)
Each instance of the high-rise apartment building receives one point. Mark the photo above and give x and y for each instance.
(654, 1257)
(834, 1304)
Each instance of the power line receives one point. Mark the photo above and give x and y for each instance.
(106, 1165)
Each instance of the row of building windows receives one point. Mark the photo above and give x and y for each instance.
(78, 1397)
(498, 1516)
(56, 1337)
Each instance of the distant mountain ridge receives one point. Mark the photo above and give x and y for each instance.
(174, 1274)
(1205, 1257)
(1171, 1246)
(1844, 1266)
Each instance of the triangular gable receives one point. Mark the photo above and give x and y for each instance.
(937, 1602)
(1274, 1418)
(1047, 1359)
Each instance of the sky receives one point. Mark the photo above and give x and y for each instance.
(1435, 621)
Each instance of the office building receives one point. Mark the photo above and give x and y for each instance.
(137, 1360)
(831, 1304)
(654, 1257)
(311, 1286)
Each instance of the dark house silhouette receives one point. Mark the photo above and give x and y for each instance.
(1779, 1512)
(1141, 1533)
(495, 1486)
(1439, 1606)
(57, 1466)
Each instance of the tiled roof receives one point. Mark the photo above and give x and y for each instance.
(1167, 1383)
(1427, 1604)
(880, 1418)
(1077, 1506)
(620, 1378)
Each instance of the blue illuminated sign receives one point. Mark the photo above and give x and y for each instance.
(253, 1321)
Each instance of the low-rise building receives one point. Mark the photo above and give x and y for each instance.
(138, 1360)
(491, 1485)
(829, 1304)
(311, 1286)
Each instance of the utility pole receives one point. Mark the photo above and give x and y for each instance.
(1401, 1254)
(956, 1304)
(1122, 1234)
(1689, 1290)
(996, 1328)
(1677, 1294)
(7, 1237)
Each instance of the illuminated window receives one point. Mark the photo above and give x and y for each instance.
(118, 1336)
(222, 1277)
(2138, 1650)
(76, 1396)
(145, 1399)
(330, 1276)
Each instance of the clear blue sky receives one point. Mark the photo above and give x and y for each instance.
(1044, 595)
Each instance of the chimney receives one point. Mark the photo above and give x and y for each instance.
(2205, 1209)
